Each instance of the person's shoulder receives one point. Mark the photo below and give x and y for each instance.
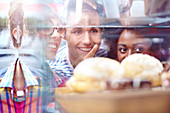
(60, 58)
(101, 53)
(61, 53)
(61, 50)
(2, 72)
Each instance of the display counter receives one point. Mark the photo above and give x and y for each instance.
(121, 101)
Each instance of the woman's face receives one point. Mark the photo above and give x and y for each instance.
(131, 42)
(53, 42)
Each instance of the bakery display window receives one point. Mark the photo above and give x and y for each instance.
(135, 36)
(80, 56)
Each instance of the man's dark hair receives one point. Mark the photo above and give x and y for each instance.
(71, 7)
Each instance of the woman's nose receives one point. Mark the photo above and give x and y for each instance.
(55, 34)
(129, 52)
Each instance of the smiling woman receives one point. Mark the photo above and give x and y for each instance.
(49, 29)
(53, 40)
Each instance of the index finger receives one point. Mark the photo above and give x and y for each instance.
(92, 52)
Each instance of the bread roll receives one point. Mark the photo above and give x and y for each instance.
(144, 67)
(91, 74)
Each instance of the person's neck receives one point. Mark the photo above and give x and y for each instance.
(72, 60)
(75, 61)
(69, 58)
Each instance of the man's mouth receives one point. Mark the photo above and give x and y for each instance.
(85, 49)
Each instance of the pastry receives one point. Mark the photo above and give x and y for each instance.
(143, 67)
(91, 74)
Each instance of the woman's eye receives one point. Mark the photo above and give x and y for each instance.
(139, 50)
(47, 31)
(122, 50)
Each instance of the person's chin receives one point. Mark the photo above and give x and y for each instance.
(50, 55)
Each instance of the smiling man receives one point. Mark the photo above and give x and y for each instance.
(83, 39)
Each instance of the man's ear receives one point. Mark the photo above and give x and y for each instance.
(15, 33)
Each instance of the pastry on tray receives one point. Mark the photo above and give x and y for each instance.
(91, 74)
(143, 67)
(135, 71)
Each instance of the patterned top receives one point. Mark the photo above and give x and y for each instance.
(35, 101)
(40, 84)
(8, 77)
(62, 66)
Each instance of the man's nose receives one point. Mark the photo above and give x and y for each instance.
(86, 38)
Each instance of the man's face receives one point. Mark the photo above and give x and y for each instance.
(82, 39)
(130, 43)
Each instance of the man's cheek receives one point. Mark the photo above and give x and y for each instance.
(97, 41)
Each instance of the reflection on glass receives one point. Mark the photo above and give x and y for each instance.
(23, 75)
(32, 50)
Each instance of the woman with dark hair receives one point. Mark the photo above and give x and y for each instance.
(132, 41)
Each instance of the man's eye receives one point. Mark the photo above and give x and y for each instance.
(77, 31)
(94, 31)
(139, 50)
(122, 50)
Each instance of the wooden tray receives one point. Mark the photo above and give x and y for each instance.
(127, 101)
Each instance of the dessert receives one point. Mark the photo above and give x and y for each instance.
(143, 67)
(91, 74)
(135, 71)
